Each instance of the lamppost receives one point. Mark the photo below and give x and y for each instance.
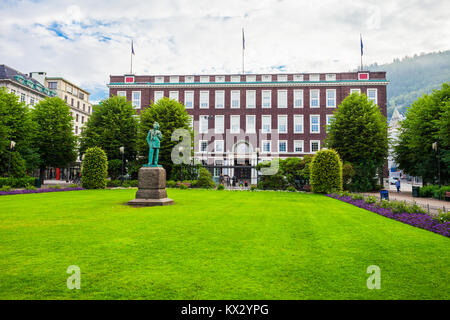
(11, 147)
(180, 150)
(435, 147)
(257, 162)
(122, 152)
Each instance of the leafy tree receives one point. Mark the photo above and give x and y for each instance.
(111, 126)
(205, 179)
(358, 132)
(16, 125)
(114, 168)
(95, 169)
(170, 115)
(326, 172)
(53, 138)
(427, 121)
(292, 172)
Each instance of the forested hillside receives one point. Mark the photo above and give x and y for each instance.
(411, 77)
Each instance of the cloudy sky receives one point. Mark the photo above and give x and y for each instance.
(86, 41)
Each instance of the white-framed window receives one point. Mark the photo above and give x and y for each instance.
(329, 117)
(266, 146)
(266, 78)
(314, 123)
(203, 125)
(122, 94)
(355, 90)
(31, 101)
(219, 99)
(69, 88)
(22, 97)
(330, 77)
(250, 99)
(189, 79)
(298, 145)
(266, 98)
(158, 96)
(218, 145)
(235, 99)
(282, 77)
(314, 98)
(219, 78)
(314, 77)
(191, 121)
(282, 98)
(174, 79)
(282, 124)
(235, 78)
(189, 99)
(235, 124)
(218, 170)
(136, 99)
(282, 146)
(331, 98)
(298, 123)
(219, 124)
(266, 124)
(174, 95)
(251, 78)
(204, 78)
(314, 145)
(203, 145)
(250, 125)
(298, 77)
(298, 98)
(204, 99)
(372, 95)
(159, 79)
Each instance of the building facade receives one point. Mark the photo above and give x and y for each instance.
(245, 119)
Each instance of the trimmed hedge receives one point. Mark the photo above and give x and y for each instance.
(17, 182)
(433, 191)
(95, 169)
(205, 179)
(326, 172)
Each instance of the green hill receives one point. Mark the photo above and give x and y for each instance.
(411, 77)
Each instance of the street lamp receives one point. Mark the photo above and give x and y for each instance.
(180, 150)
(122, 152)
(11, 147)
(257, 162)
(435, 147)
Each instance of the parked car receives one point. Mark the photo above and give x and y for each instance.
(393, 180)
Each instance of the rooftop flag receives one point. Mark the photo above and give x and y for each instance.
(361, 44)
(132, 48)
(243, 39)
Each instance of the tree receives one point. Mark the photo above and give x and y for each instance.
(326, 172)
(16, 125)
(111, 126)
(53, 138)
(427, 121)
(170, 115)
(358, 132)
(292, 172)
(95, 169)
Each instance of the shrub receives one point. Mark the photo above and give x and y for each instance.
(205, 179)
(17, 182)
(220, 187)
(307, 187)
(183, 186)
(5, 188)
(253, 187)
(30, 187)
(273, 182)
(443, 217)
(347, 174)
(291, 189)
(113, 183)
(73, 185)
(130, 184)
(357, 196)
(114, 168)
(171, 184)
(326, 172)
(371, 200)
(54, 187)
(433, 191)
(95, 169)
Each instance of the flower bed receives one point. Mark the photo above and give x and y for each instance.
(24, 191)
(419, 220)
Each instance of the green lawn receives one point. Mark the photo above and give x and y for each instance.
(212, 245)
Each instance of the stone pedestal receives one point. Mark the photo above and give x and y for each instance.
(152, 188)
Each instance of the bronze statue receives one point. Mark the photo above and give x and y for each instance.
(154, 137)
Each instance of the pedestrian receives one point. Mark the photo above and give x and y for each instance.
(397, 184)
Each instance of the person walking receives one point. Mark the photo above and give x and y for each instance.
(397, 184)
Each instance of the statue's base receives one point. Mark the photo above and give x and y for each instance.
(152, 166)
(151, 188)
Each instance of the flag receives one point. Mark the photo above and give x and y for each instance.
(132, 48)
(243, 40)
(361, 44)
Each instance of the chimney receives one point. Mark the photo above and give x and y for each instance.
(39, 76)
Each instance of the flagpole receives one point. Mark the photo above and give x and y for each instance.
(243, 49)
(131, 54)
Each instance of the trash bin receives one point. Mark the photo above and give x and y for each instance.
(37, 182)
(415, 191)
(384, 194)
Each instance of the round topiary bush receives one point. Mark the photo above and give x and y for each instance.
(95, 169)
(326, 172)
(205, 179)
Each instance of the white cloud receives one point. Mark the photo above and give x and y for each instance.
(86, 41)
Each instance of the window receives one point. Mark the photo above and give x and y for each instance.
(53, 85)
(129, 79)
(203, 144)
(204, 122)
(81, 95)
(282, 98)
(218, 170)
(204, 99)
(298, 98)
(266, 124)
(84, 107)
(159, 79)
(315, 123)
(329, 117)
(68, 88)
(235, 78)
(314, 99)
(173, 95)
(76, 130)
(298, 77)
(331, 98)
(266, 78)
(89, 109)
(266, 99)
(65, 99)
(282, 124)
(251, 78)
(189, 79)
(372, 95)
(78, 104)
(72, 102)
(174, 79)
(298, 123)
(282, 146)
(75, 91)
(13, 91)
(122, 94)
(77, 118)
(298, 145)
(219, 124)
(266, 146)
(314, 77)
(218, 145)
(235, 99)
(220, 99)
(250, 126)
(330, 77)
(220, 78)
(282, 77)
(32, 101)
(189, 99)
(355, 90)
(204, 78)
(314, 145)
(158, 96)
(22, 97)
(82, 119)
(191, 121)
(235, 124)
(136, 99)
(251, 97)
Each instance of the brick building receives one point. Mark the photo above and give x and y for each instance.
(245, 119)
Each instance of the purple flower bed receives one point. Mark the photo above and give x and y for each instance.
(5, 193)
(419, 220)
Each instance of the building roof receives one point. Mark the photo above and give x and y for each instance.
(67, 81)
(8, 73)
